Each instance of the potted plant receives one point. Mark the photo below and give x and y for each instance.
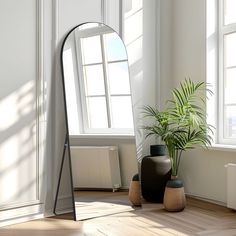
(181, 126)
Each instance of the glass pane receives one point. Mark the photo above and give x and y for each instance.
(122, 116)
(94, 80)
(230, 86)
(114, 47)
(229, 12)
(230, 122)
(91, 50)
(118, 75)
(97, 112)
(230, 49)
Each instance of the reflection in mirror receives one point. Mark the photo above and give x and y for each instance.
(98, 102)
(64, 196)
(97, 56)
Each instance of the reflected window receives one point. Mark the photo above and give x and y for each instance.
(91, 52)
(104, 81)
(114, 47)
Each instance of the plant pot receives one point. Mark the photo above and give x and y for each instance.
(174, 196)
(134, 191)
(155, 172)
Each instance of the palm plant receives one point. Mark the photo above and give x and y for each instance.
(182, 125)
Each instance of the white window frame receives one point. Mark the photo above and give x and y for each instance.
(85, 129)
(223, 31)
(216, 30)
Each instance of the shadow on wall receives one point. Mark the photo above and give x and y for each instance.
(133, 39)
(18, 145)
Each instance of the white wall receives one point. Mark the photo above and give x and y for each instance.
(166, 51)
(202, 171)
(141, 39)
(20, 172)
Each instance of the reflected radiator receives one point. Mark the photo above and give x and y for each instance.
(231, 187)
(95, 167)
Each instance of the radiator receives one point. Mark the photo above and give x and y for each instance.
(95, 167)
(231, 187)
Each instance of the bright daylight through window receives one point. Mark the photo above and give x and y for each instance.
(221, 67)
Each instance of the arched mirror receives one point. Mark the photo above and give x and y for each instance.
(98, 104)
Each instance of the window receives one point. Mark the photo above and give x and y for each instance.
(227, 70)
(104, 82)
(221, 67)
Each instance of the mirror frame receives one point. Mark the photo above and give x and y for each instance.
(67, 135)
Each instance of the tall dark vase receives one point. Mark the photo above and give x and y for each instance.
(155, 172)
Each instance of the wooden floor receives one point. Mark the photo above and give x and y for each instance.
(198, 218)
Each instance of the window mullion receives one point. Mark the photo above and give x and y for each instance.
(92, 64)
(228, 29)
(221, 108)
(116, 61)
(121, 95)
(221, 71)
(106, 83)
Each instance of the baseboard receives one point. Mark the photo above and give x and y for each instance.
(206, 199)
(19, 215)
(124, 189)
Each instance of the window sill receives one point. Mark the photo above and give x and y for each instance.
(223, 147)
(103, 136)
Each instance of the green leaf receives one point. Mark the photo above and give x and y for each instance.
(182, 124)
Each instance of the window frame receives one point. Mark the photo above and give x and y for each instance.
(85, 129)
(215, 76)
(223, 30)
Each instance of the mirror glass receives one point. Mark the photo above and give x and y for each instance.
(98, 103)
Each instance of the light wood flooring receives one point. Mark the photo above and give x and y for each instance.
(198, 218)
(91, 204)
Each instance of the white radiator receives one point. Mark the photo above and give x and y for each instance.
(231, 185)
(95, 167)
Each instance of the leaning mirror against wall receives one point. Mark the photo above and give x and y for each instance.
(98, 101)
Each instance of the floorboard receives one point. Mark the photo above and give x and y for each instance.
(198, 218)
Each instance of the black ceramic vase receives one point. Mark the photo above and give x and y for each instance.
(155, 172)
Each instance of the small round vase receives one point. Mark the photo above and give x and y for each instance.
(135, 191)
(174, 196)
